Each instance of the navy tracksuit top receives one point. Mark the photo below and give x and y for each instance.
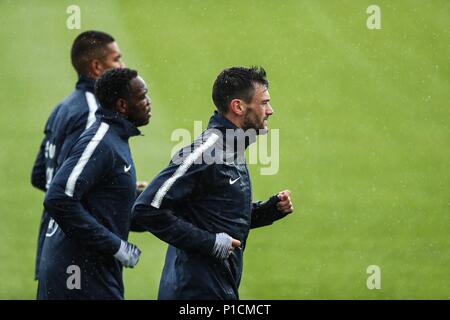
(90, 199)
(190, 201)
(64, 126)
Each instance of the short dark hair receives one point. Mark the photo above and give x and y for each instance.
(237, 83)
(87, 46)
(112, 85)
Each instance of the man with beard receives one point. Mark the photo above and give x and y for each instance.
(203, 209)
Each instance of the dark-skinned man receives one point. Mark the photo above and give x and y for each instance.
(92, 53)
(91, 197)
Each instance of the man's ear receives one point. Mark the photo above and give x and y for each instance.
(122, 107)
(237, 107)
(96, 68)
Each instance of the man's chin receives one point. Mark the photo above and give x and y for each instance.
(143, 123)
(263, 131)
(260, 129)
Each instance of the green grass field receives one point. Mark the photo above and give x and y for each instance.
(364, 130)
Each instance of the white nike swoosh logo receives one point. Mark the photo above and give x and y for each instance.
(233, 181)
(126, 169)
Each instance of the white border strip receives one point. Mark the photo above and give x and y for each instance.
(93, 106)
(87, 153)
(190, 159)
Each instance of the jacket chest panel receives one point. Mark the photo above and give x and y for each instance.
(231, 182)
(121, 181)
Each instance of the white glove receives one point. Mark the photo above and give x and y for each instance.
(128, 254)
(222, 246)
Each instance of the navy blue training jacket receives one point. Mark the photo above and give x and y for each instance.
(90, 198)
(189, 202)
(64, 126)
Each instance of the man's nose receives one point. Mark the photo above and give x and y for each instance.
(269, 110)
(122, 64)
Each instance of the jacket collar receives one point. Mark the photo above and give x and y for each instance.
(86, 84)
(125, 128)
(219, 122)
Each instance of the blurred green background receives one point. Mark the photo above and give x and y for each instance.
(364, 130)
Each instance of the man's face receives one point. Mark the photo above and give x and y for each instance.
(112, 58)
(139, 104)
(258, 110)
